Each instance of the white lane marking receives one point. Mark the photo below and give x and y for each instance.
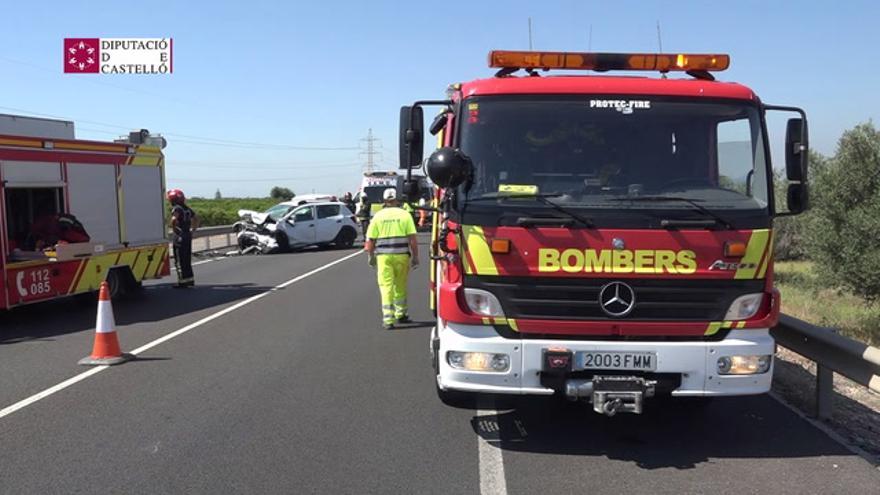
(492, 480)
(51, 390)
(94, 371)
(203, 262)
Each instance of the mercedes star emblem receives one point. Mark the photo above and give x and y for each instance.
(617, 299)
(617, 243)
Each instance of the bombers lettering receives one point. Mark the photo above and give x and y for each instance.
(616, 261)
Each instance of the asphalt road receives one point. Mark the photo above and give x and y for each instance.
(301, 391)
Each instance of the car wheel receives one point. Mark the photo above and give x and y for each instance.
(283, 242)
(345, 238)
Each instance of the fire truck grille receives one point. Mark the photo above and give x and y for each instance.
(578, 298)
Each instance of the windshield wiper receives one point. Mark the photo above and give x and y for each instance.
(716, 219)
(542, 198)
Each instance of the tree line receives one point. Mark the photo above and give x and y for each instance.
(841, 231)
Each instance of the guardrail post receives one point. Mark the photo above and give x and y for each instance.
(207, 243)
(824, 391)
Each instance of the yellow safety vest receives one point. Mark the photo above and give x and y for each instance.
(390, 229)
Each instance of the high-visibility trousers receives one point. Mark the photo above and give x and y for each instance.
(392, 271)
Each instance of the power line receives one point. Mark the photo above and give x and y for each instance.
(190, 139)
(250, 166)
(267, 179)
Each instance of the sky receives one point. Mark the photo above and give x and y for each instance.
(258, 85)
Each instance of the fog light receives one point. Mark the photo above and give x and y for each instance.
(478, 361)
(744, 365)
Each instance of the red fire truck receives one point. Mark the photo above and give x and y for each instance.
(74, 213)
(604, 238)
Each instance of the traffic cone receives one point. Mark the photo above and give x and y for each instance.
(106, 349)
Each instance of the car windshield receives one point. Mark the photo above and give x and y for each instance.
(600, 152)
(277, 211)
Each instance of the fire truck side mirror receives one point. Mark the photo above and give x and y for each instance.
(411, 190)
(796, 150)
(797, 198)
(412, 137)
(448, 167)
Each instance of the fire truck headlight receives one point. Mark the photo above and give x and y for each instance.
(478, 361)
(744, 365)
(483, 303)
(744, 307)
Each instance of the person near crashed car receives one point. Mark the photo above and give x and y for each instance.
(393, 248)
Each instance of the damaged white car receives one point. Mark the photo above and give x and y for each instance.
(285, 227)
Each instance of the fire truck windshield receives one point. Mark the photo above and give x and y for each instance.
(594, 152)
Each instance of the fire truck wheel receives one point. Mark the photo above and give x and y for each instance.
(117, 284)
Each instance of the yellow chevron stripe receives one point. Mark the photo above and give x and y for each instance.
(127, 258)
(142, 263)
(754, 250)
(158, 257)
(486, 321)
(79, 270)
(713, 328)
(766, 262)
(96, 271)
(475, 241)
(512, 323)
(740, 324)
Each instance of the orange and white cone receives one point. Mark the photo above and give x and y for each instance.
(106, 349)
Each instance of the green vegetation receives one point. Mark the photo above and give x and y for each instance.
(828, 259)
(281, 193)
(806, 295)
(844, 227)
(224, 211)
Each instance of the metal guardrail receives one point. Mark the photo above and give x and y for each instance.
(213, 230)
(832, 353)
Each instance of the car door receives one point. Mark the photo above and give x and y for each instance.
(329, 222)
(300, 226)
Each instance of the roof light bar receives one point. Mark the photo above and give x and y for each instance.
(662, 62)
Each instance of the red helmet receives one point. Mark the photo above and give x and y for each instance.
(175, 196)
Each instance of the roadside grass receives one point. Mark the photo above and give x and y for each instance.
(224, 211)
(804, 297)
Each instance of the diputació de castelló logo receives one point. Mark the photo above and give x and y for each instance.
(82, 55)
(118, 56)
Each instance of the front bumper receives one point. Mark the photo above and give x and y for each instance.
(694, 361)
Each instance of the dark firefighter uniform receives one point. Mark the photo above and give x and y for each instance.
(182, 219)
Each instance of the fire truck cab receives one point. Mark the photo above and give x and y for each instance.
(74, 213)
(604, 238)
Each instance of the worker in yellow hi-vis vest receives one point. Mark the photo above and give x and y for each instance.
(393, 249)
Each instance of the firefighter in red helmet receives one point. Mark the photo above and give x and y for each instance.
(183, 222)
